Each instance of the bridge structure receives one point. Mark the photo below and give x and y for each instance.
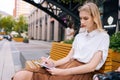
(62, 12)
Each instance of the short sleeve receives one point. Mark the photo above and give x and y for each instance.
(103, 46)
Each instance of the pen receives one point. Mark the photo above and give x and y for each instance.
(42, 63)
(48, 57)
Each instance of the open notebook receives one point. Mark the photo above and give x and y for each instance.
(44, 65)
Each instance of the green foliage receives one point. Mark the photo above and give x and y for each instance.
(7, 23)
(26, 40)
(0, 21)
(99, 2)
(21, 25)
(69, 41)
(115, 42)
(74, 1)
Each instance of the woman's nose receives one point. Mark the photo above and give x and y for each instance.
(82, 23)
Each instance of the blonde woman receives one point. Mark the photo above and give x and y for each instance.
(89, 52)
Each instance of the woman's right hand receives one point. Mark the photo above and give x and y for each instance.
(43, 59)
(47, 62)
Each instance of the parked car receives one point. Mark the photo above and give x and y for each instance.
(8, 37)
(5, 36)
(1, 37)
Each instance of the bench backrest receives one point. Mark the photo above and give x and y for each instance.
(60, 50)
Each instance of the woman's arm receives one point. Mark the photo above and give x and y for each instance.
(86, 68)
(89, 67)
(64, 60)
(53, 63)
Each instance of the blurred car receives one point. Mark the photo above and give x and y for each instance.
(8, 37)
(1, 37)
(5, 36)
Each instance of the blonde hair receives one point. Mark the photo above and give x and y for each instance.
(94, 11)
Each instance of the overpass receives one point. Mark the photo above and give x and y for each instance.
(59, 10)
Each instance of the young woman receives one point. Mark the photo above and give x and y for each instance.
(89, 52)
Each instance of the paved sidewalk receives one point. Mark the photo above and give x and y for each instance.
(6, 61)
(14, 54)
(29, 51)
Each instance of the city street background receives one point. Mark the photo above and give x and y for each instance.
(14, 54)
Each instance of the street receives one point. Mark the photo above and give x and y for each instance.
(14, 54)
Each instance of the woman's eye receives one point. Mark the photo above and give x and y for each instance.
(85, 18)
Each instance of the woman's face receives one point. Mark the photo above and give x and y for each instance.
(86, 20)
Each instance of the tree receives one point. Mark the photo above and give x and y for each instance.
(0, 21)
(74, 1)
(98, 2)
(7, 23)
(21, 25)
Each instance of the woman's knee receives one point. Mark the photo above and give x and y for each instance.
(23, 75)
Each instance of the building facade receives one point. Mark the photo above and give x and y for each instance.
(44, 27)
(22, 8)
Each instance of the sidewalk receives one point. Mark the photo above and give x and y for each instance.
(29, 51)
(14, 54)
(6, 61)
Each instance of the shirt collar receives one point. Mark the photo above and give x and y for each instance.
(91, 34)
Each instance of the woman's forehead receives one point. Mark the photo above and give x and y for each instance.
(84, 13)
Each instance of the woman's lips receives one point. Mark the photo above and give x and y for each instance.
(82, 26)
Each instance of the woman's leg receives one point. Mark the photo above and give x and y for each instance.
(23, 75)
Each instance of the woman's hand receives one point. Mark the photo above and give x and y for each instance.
(47, 63)
(43, 59)
(118, 70)
(57, 71)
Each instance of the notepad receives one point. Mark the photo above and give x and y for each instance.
(43, 65)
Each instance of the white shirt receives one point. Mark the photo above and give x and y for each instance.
(85, 45)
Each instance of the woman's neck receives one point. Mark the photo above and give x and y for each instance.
(91, 29)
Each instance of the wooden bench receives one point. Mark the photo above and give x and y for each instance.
(60, 50)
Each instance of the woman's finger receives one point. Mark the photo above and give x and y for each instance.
(51, 71)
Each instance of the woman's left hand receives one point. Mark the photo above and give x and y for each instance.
(56, 71)
(118, 70)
